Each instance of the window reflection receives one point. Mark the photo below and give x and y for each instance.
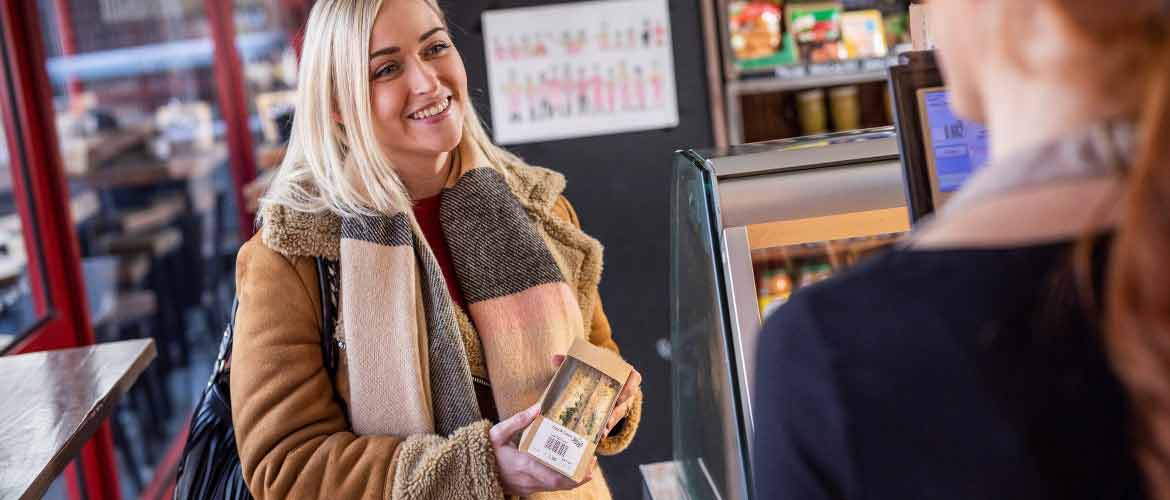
(18, 310)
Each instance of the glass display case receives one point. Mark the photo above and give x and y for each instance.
(750, 225)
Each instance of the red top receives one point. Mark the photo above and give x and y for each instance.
(427, 212)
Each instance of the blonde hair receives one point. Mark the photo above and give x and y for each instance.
(340, 167)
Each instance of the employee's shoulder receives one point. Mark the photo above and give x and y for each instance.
(868, 287)
(880, 297)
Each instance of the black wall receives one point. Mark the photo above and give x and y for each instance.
(619, 186)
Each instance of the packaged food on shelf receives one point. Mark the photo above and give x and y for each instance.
(781, 271)
(574, 409)
(845, 106)
(756, 34)
(895, 18)
(775, 286)
(864, 34)
(816, 29)
(812, 274)
(810, 110)
(897, 28)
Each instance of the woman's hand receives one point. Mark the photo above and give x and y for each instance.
(624, 400)
(520, 473)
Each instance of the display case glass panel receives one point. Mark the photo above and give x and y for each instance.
(751, 225)
(707, 433)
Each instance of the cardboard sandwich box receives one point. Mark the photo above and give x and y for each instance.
(574, 409)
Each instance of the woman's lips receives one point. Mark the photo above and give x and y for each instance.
(437, 116)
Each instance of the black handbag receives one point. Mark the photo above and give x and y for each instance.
(210, 467)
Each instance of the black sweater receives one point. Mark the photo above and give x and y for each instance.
(950, 374)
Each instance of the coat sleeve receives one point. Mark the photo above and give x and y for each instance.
(292, 436)
(601, 335)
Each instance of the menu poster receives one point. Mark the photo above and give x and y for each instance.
(579, 69)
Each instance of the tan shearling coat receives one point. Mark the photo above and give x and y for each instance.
(292, 435)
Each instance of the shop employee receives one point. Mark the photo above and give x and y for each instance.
(462, 272)
(1019, 345)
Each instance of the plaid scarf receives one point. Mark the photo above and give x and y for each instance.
(408, 369)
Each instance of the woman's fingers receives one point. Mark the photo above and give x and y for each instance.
(633, 385)
(549, 479)
(635, 379)
(589, 475)
(524, 475)
(502, 433)
(619, 412)
(624, 400)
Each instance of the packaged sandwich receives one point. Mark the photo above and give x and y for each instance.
(574, 409)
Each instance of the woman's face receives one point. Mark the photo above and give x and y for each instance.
(418, 85)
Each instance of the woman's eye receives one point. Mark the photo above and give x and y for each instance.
(437, 49)
(386, 70)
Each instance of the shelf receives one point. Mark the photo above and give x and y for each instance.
(800, 77)
(831, 227)
(822, 250)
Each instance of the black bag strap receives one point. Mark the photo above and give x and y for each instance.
(223, 358)
(327, 277)
(330, 354)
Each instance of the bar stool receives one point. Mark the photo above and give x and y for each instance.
(111, 314)
(162, 248)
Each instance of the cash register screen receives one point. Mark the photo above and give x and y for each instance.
(955, 148)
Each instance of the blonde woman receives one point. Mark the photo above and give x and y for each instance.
(461, 272)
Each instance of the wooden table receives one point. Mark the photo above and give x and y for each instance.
(83, 205)
(161, 211)
(53, 402)
(148, 171)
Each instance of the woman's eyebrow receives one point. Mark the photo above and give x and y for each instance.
(431, 32)
(385, 51)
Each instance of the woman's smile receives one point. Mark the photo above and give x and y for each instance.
(433, 112)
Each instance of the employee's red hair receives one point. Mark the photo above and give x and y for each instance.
(1131, 47)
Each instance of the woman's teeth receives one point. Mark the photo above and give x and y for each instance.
(432, 111)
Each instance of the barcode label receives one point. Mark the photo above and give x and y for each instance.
(557, 446)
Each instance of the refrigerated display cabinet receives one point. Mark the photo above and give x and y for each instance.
(750, 225)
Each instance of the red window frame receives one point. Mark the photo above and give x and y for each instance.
(41, 195)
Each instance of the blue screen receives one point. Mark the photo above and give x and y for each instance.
(959, 147)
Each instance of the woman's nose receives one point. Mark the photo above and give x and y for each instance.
(423, 79)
